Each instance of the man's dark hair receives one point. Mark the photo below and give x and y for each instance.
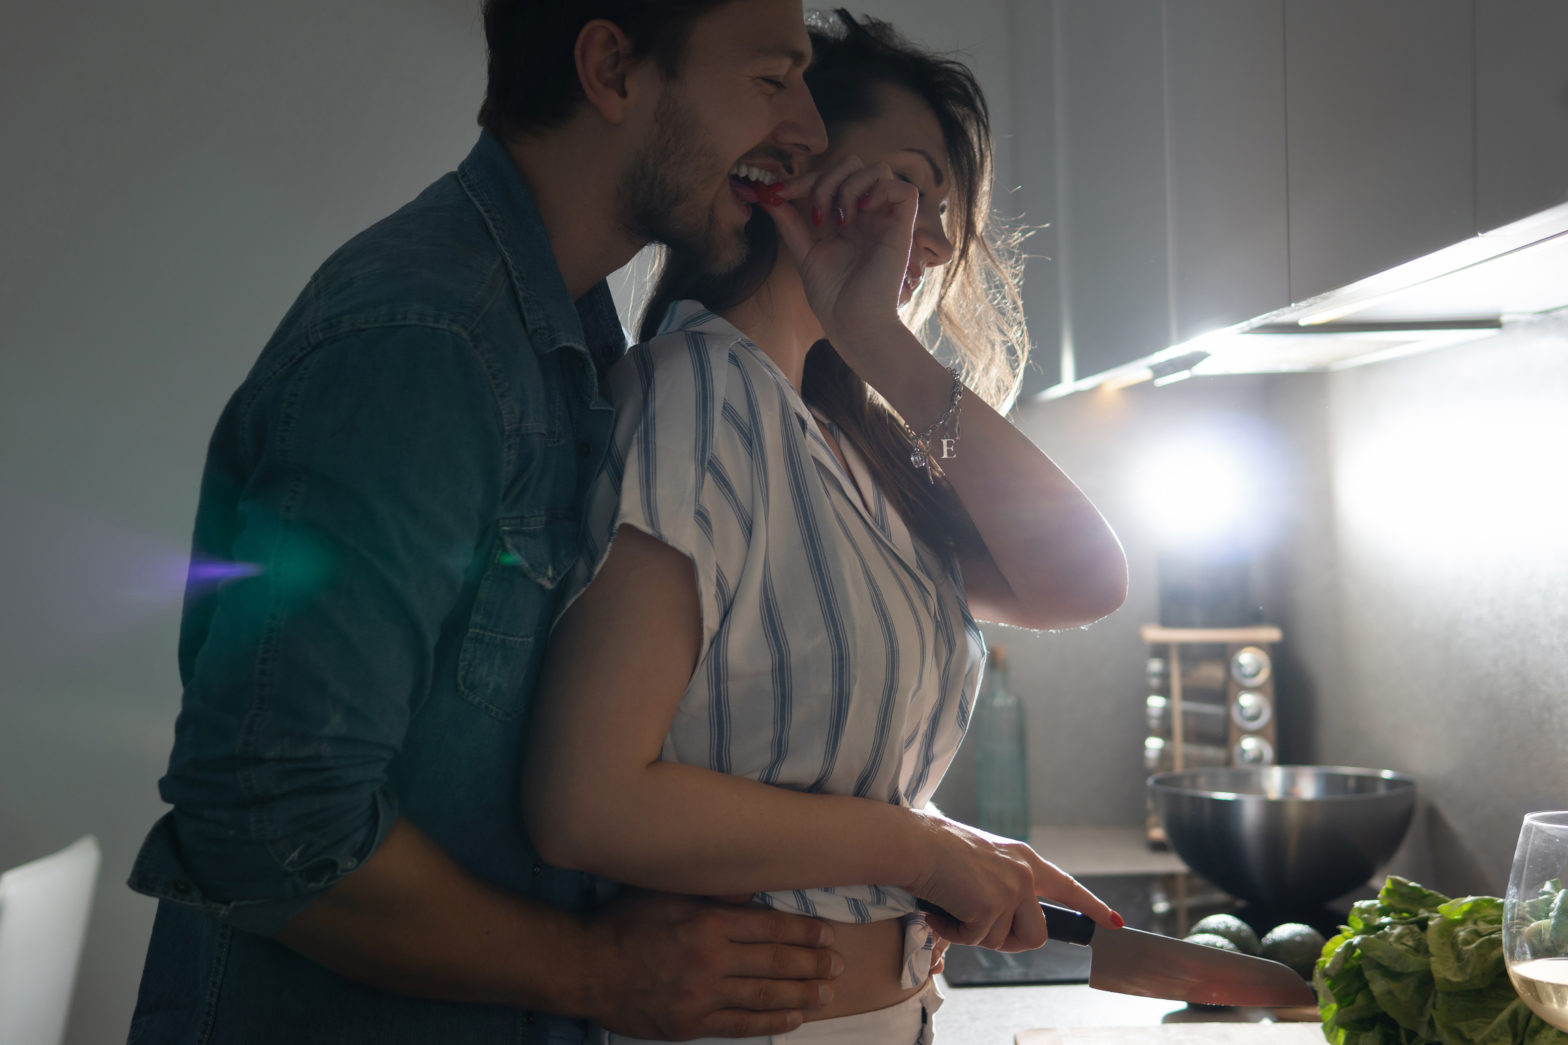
(531, 75)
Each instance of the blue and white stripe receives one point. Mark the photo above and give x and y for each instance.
(838, 652)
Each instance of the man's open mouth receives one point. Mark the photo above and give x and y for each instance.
(753, 184)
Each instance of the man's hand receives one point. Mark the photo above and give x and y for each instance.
(671, 967)
(939, 953)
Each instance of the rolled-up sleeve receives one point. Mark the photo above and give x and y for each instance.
(370, 479)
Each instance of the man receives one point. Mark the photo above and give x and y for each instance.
(389, 504)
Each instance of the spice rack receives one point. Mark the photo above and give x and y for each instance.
(1210, 701)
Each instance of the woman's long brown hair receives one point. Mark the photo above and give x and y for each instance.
(972, 313)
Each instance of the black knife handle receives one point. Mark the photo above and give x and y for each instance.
(1061, 923)
(1067, 925)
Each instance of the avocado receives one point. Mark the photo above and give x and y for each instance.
(1232, 928)
(1213, 940)
(1295, 945)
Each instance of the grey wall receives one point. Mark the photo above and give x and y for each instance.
(1429, 617)
(174, 171)
(1084, 688)
(1418, 566)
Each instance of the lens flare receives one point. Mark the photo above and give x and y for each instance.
(206, 572)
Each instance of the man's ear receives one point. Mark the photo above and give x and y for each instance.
(604, 65)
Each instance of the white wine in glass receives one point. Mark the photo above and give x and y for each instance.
(1535, 917)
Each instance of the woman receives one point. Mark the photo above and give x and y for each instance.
(793, 569)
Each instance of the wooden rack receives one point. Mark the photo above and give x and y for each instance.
(1235, 640)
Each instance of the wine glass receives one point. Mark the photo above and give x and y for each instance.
(1535, 917)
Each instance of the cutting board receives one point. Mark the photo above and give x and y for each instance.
(1179, 1034)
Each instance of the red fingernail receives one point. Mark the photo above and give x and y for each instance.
(1117, 920)
(838, 213)
(816, 216)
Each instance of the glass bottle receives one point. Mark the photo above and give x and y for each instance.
(1001, 761)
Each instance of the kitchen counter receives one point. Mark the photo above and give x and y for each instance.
(994, 1015)
(1096, 849)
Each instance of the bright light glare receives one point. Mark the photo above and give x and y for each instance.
(1193, 491)
(1459, 483)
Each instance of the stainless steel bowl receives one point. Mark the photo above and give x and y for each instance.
(1285, 837)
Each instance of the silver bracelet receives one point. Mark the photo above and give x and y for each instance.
(921, 456)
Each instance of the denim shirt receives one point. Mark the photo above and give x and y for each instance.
(390, 503)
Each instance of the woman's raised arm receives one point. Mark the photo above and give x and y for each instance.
(1049, 559)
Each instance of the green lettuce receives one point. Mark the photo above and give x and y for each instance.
(1414, 967)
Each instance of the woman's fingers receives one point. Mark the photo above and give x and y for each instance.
(851, 244)
(871, 188)
(979, 881)
(798, 187)
(865, 189)
(888, 193)
(792, 230)
(1061, 888)
(989, 888)
(825, 202)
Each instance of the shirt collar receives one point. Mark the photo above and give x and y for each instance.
(694, 316)
(552, 319)
(686, 314)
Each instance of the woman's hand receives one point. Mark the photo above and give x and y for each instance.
(854, 252)
(988, 888)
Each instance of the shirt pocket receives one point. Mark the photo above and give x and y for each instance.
(515, 602)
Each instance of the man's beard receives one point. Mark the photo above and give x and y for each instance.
(662, 194)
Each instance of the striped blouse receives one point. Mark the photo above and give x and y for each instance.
(838, 654)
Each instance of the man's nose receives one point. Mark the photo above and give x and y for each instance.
(802, 129)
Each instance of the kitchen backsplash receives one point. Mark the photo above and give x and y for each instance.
(1416, 559)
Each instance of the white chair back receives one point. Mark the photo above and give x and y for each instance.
(43, 918)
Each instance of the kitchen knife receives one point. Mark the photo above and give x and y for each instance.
(1130, 961)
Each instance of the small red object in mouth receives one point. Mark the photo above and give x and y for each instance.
(759, 192)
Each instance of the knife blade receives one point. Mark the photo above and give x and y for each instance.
(1130, 961)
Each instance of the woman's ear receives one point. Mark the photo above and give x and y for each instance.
(604, 64)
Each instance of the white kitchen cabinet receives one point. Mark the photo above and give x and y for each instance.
(1521, 117)
(1225, 105)
(1033, 201)
(1203, 163)
(1379, 116)
(1167, 164)
(1113, 256)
